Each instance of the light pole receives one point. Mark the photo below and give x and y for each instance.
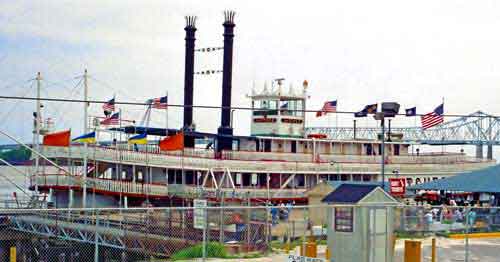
(380, 116)
(389, 109)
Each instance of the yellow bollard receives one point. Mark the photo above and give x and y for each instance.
(287, 247)
(311, 249)
(413, 251)
(13, 254)
(433, 253)
(327, 253)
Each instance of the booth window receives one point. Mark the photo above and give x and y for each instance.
(344, 219)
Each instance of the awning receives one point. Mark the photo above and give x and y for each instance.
(481, 181)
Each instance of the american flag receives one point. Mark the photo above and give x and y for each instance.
(433, 118)
(160, 102)
(328, 107)
(114, 119)
(109, 106)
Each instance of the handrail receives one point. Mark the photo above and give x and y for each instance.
(327, 164)
(163, 190)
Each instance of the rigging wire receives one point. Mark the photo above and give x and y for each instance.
(60, 111)
(208, 107)
(9, 113)
(122, 94)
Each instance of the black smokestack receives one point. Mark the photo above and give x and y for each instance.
(188, 78)
(225, 131)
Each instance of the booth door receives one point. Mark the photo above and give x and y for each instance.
(377, 233)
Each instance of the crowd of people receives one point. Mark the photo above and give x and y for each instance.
(471, 216)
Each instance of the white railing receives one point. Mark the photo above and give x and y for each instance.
(327, 164)
(154, 149)
(266, 156)
(103, 184)
(429, 158)
(437, 158)
(163, 190)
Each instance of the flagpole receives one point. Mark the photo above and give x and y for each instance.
(443, 147)
(166, 121)
(85, 131)
(36, 140)
(119, 167)
(336, 114)
(415, 125)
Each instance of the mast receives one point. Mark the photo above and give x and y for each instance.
(36, 141)
(166, 116)
(85, 131)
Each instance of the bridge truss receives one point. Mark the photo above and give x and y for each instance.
(475, 129)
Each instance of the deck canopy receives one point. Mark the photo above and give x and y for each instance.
(481, 181)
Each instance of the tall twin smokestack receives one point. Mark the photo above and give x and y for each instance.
(225, 131)
(188, 79)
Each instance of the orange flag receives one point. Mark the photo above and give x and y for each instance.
(175, 142)
(61, 138)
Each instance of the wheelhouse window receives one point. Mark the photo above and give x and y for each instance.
(266, 107)
(343, 219)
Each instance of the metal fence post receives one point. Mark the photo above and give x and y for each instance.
(467, 210)
(304, 214)
(268, 228)
(248, 227)
(221, 218)
(204, 248)
(96, 248)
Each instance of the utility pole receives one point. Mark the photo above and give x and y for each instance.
(36, 141)
(85, 131)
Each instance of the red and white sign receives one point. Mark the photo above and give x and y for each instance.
(397, 186)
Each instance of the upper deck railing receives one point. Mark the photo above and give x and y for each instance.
(241, 161)
(158, 189)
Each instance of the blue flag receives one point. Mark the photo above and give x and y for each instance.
(411, 111)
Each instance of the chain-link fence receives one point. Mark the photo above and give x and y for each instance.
(226, 231)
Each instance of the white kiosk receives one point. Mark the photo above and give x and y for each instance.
(360, 225)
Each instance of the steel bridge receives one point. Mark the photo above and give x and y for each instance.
(475, 129)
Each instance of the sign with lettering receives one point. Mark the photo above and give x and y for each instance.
(292, 258)
(199, 213)
(264, 120)
(291, 121)
(397, 186)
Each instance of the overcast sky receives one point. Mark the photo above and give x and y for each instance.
(358, 52)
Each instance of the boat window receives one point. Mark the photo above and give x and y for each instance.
(266, 107)
(299, 105)
(285, 107)
(267, 145)
(396, 150)
(294, 146)
(368, 149)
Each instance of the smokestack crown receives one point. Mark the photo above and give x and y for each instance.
(190, 21)
(229, 17)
